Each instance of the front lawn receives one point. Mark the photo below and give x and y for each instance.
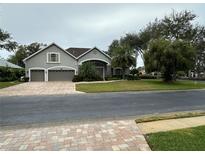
(8, 84)
(138, 85)
(189, 139)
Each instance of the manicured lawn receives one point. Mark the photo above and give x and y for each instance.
(190, 139)
(139, 85)
(8, 84)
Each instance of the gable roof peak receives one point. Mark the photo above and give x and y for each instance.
(53, 43)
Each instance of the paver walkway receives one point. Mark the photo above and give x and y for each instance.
(39, 88)
(172, 124)
(107, 135)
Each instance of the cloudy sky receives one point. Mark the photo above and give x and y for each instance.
(82, 25)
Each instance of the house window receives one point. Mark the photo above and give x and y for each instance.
(53, 58)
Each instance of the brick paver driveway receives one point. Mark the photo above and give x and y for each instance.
(39, 88)
(107, 135)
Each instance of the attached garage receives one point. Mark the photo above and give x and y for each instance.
(37, 75)
(60, 75)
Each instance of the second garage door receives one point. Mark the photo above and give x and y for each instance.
(60, 75)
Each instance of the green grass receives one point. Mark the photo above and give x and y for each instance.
(138, 85)
(8, 84)
(172, 115)
(190, 139)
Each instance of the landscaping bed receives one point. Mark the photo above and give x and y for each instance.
(139, 85)
(189, 139)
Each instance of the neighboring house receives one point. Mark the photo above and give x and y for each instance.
(4, 63)
(53, 63)
(141, 70)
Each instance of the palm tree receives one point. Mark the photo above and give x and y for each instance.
(123, 57)
(134, 42)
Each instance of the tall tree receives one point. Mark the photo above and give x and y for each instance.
(123, 57)
(175, 26)
(19, 55)
(34, 47)
(6, 41)
(134, 42)
(168, 57)
(199, 43)
(112, 48)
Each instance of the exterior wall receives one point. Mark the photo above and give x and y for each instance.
(108, 70)
(94, 55)
(40, 61)
(97, 55)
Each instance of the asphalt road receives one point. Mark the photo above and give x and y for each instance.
(18, 110)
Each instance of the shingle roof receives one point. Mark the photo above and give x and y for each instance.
(5, 63)
(77, 51)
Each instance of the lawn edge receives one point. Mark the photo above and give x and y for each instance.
(171, 115)
(145, 91)
(15, 83)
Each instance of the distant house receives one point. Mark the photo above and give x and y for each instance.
(141, 70)
(4, 63)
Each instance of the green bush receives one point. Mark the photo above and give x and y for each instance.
(132, 77)
(117, 77)
(77, 78)
(24, 79)
(87, 72)
(147, 77)
(134, 72)
(11, 74)
(181, 74)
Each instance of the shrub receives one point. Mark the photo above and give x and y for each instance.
(87, 72)
(77, 78)
(148, 76)
(117, 77)
(134, 72)
(24, 79)
(11, 74)
(132, 77)
(181, 74)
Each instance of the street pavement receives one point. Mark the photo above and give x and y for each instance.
(19, 110)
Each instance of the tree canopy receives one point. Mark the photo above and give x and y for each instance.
(175, 27)
(24, 51)
(168, 57)
(122, 56)
(6, 41)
